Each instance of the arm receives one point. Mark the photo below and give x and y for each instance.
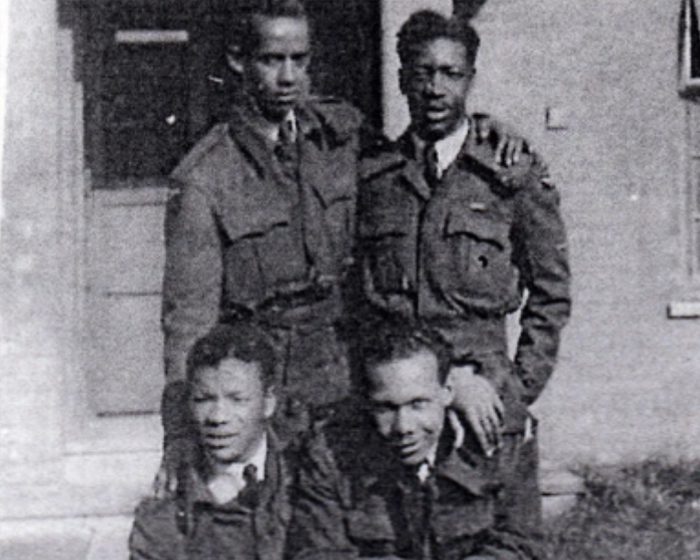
(193, 275)
(191, 293)
(542, 257)
(317, 531)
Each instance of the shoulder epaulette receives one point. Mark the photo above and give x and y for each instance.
(342, 118)
(381, 162)
(211, 140)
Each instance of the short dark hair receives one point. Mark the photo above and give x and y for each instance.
(426, 26)
(386, 339)
(242, 26)
(242, 340)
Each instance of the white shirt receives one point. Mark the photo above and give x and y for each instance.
(227, 484)
(273, 132)
(447, 148)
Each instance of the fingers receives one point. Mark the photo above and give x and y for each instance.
(501, 149)
(486, 424)
(482, 438)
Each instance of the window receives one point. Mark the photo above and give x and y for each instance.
(689, 49)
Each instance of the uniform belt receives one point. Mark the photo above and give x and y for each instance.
(315, 304)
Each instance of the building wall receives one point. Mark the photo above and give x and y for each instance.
(626, 386)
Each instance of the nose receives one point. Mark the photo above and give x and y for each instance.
(403, 422)
(288, 72)
(218, 413)
(434, 85)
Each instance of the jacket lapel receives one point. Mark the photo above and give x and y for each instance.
(412, 173)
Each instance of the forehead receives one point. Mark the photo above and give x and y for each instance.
(440, 52)
(231, 374)
(405, 378)
(282, 33)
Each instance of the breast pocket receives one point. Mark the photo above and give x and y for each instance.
(256, 248)
(479, 250)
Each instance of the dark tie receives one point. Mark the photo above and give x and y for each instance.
(287, 151)
(432, 168)
(250, 474)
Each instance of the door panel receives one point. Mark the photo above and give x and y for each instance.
(126, 263)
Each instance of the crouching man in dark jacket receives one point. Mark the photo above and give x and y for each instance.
(399, 477)
(231, 500)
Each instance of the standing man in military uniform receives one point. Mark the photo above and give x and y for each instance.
(454, 240)
(260, 222)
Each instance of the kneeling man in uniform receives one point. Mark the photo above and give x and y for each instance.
(231, 501)
(399, 477)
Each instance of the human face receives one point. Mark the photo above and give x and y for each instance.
(436, 84)
(408, 402)
(230, 408)
(275, 73)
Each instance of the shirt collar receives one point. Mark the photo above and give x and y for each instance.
(447, 148)
(257, 459)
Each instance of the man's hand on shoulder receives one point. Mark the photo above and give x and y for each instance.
(509, 146)
(476, 399)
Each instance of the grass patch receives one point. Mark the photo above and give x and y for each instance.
(649, 511)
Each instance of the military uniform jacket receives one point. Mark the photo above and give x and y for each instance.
(190, 527)
(238, 231)
(462, 256)
(354, 499)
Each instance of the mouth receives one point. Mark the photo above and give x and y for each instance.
(407, 449)
(219, 440)
(436, 113)
(286, 98)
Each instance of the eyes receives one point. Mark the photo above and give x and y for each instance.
(416, 405)
(425, 74)
(273, 60)
(234, 398)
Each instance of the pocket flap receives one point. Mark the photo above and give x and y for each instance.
(241, 223)
(479, 225)
(380, 223)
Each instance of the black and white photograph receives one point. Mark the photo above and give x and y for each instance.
(349, 280)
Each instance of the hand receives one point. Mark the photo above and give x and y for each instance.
(477, 400)
(509, 145)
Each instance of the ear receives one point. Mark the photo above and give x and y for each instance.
(270, 403)
(234, 59)
(447, 394)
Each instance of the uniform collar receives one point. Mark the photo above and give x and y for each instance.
(447, 148)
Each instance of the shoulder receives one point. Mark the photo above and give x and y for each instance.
(155, 532)
(341, 118)
(381, 160)
(210, 153)
(528, 174)
(338, 432)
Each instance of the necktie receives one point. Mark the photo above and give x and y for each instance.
(286, 150)
(432, 166)
(225, 487)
